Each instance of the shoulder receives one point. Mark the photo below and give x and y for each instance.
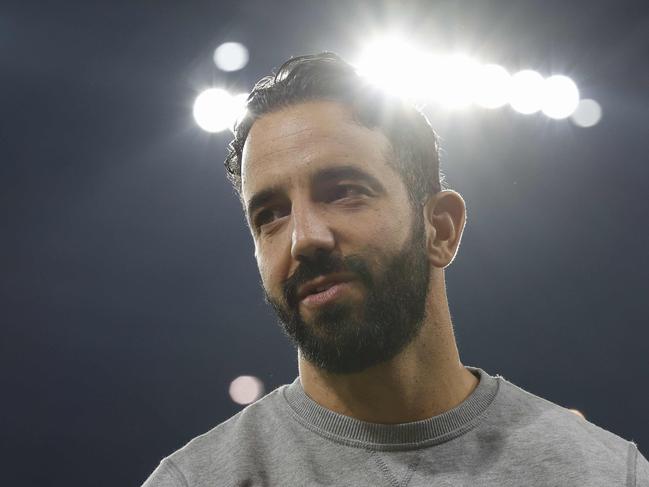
(219, 451)
(555, 437)
(531, 412)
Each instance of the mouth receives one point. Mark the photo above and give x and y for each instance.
(323, 284)
(326, 293)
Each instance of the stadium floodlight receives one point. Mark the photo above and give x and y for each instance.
(587, 114)
(393, 65)
(231, 56)
(493, 86)
(452, 81)
(239, 108)
(527, 91)
(405, 71)
(216, 110)
(457, 81)
(561, 97)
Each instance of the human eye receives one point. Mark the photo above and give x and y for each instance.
(348, 191)
(269, 215)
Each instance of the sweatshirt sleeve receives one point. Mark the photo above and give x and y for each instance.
(641, 470)
(166, 475)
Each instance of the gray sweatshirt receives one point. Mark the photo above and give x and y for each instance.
(499, 436)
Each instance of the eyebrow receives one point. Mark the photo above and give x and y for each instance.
(323, 175)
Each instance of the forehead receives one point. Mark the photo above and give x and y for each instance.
(289, 146)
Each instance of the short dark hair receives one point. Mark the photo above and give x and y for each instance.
(414, 145)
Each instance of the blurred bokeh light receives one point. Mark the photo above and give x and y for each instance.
(527, 92)
(453, 83)
(231, 56)
(587, 114)
(457, 81)
(493, 86)
(393, 65)
(577, 412)
(560, 98)
(246, 389)
(216, 110)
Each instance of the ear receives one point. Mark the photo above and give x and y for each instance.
(444, 216)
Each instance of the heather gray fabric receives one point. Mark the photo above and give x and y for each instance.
(499, 436)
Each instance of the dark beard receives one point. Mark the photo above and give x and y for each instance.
(342, 339)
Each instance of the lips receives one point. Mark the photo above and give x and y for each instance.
(321, 283)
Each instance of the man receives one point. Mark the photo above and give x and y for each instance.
(341, 190)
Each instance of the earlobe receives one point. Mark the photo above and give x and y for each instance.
(445, 216)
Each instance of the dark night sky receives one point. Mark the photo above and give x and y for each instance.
(129, 290)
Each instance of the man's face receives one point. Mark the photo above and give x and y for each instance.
(333, 207)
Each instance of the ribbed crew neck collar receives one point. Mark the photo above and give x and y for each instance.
(354, 432)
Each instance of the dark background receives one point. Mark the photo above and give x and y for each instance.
(129, 289)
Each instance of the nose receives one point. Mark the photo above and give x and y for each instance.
(311, 233)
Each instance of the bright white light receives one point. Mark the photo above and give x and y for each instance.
(239, 107)
(452, 81)
(393, 65)
(246, 389)
(561, 97)
(493, 86)
(456, 81)
(231, 56)
(216, 110)
(527, 89)
(587, 114)
(405, 71)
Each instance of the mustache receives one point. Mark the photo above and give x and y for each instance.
(324, 264)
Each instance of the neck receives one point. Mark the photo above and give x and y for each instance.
(426, 379)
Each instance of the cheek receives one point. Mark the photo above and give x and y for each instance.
(383, 232)
(269, 271)
(264, 273)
